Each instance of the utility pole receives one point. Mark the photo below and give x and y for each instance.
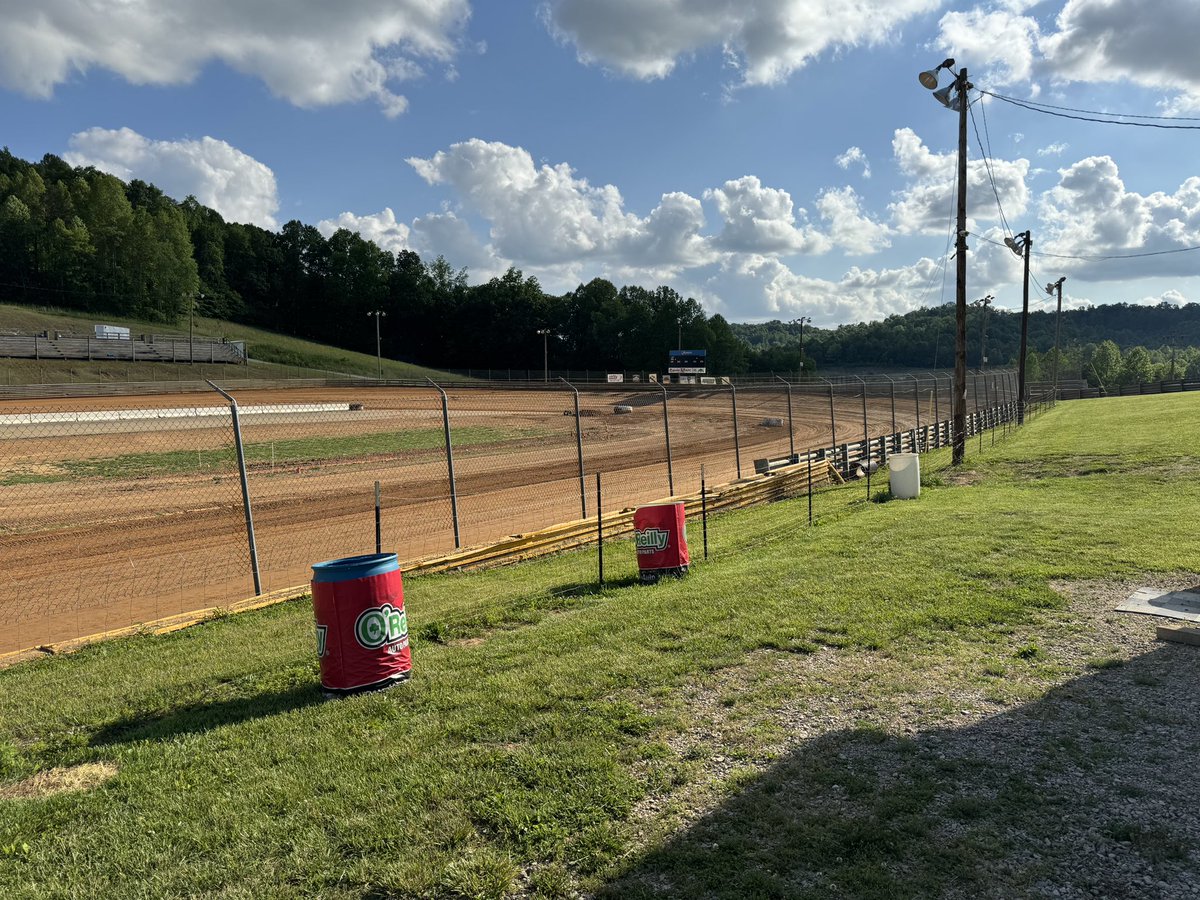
(800, 321)
(378, 314)
(986, 303)
(960, 280)
(679, 322)
(959, 103)
(545, 333)
(192, 327)
(1050, 289)
(1021, 244)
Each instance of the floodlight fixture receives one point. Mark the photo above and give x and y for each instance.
(929, 79)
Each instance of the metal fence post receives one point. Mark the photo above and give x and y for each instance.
(449, 462)
(737, 446)
(866, 434)
(832, 423)
(917, 406)
(246, 507)
(975, 383)
(667, 436)
(791, 433)
(578, 448)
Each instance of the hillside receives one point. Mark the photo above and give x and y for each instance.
(272, 355)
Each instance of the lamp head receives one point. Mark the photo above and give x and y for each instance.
(929, 79)
(943, 97)
(1012, 245)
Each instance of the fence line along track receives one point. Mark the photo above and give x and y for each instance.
(117, 521)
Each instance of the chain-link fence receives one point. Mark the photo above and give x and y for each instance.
(117, 510)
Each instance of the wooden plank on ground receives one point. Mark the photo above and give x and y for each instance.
(1179, 634)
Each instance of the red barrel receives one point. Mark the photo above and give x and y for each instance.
(661, 541)
(362, 630)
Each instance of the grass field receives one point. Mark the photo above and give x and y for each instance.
(275, 355)
(559, 737)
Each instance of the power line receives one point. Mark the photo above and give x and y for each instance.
(987, 165)
(1097, 258)
(1091, 111)
(1062, 115)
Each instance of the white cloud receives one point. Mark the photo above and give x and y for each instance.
(445, 234)
(236, 185)
(926, 203)
(766, 40)
(1090, 213)
(310, 53)
(1110, 40)
(760, 219)
(999, 42)
(381, 228)
(1055, 149)
(855, 155)
(849, 227)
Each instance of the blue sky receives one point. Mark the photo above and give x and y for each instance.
(772, 158)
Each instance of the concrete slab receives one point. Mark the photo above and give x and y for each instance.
(1184, 605)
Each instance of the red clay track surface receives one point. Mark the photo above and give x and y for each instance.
(110, 523)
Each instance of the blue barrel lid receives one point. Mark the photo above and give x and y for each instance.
(352, 567)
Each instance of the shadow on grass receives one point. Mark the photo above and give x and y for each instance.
(1078, 793)
(200, 717)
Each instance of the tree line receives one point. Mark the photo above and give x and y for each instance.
(78, 238)
(1115, 344)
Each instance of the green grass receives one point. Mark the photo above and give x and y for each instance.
(517, 759)
(282, 453)
(275, 355)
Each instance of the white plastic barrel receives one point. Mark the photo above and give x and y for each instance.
(905, 475)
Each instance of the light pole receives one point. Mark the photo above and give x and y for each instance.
(986, 303)
(679, 346)
(1021, 244)
(1050, 289)
(378, 314)
(959, 103)
(800, 321)
(545, 333)
(192, 326)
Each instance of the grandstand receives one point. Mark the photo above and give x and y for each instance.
(136, 348)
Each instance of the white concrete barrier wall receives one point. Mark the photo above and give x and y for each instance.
(119, 415)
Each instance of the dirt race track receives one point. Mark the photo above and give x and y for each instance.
(113, 522)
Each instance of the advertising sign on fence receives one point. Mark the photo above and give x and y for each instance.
(615, 379)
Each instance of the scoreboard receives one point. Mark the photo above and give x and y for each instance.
(688, 362)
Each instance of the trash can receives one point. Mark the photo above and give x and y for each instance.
(362, 629)
(661, 541)
(904, 476)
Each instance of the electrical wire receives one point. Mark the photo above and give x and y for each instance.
(1097, 258)
(987, 165)
(1091, 111)
(1062, 115)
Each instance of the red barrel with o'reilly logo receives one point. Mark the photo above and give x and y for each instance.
(362, 630)
(661, 541)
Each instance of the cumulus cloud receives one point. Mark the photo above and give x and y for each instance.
(1091, 213)
(1001, 42)
(765, 40)
(1058, 148)
(1112, 40)
(220, 176)
(380, 228)
(849, 227)
(925, 204)
(855, 155)
(760, 219)
(445, 234)
(1090, 41)
(310, 53)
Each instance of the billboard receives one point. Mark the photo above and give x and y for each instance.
(688, 362)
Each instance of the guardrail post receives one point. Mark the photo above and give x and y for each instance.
(578, 448)
(791, 433)
(667, 437)
(449, 461)
(737, 446)
(246, 507)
